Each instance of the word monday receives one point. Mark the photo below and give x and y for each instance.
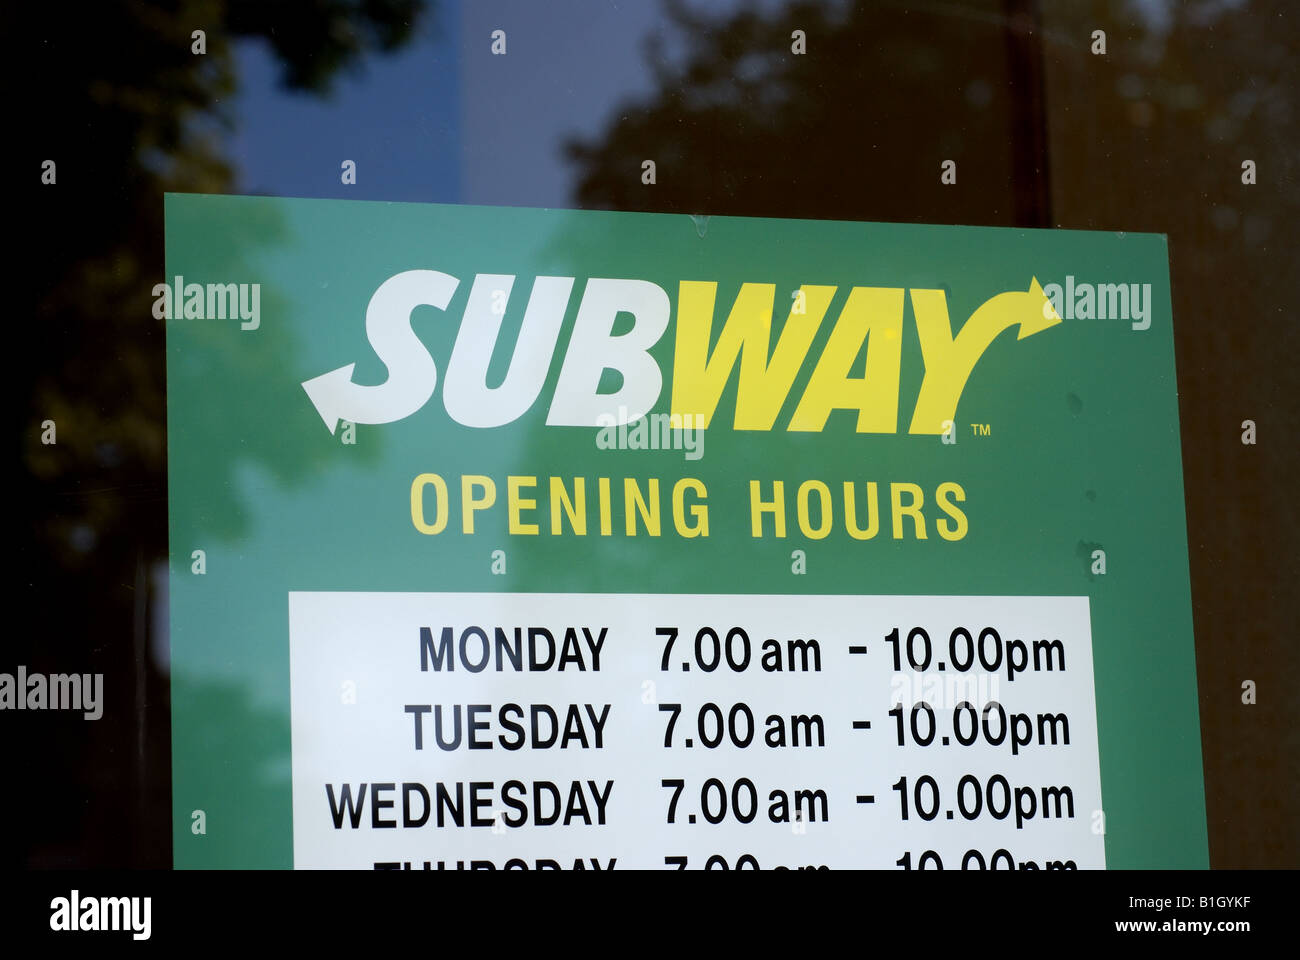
(766, 374)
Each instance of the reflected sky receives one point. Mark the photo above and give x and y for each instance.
(443, 119)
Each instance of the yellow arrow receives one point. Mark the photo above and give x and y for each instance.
(949, 361)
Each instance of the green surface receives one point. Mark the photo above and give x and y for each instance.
(1083, 453)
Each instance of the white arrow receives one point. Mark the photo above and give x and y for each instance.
(412, 374)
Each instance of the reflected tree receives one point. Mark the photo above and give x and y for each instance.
(127, 109)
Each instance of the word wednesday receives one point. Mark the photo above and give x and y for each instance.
(76, 913)
(59, 691)
(541, 802)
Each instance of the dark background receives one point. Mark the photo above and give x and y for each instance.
(1150, 137)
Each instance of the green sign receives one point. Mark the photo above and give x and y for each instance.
(511, 537)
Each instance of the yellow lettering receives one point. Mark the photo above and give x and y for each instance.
(851, 511)
(634, 503)
(757, 507)
(606, 518)
(699, 511)
(516, 504)
(824, 511)
(577, 516)
(951, 531)
(417, 503)
(469, 503)
(913, 509)
(699, 379)
(874, 310)
(949, 361)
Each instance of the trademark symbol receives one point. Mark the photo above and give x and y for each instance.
(981, 430)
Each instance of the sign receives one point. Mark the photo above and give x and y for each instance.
(509, 538)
